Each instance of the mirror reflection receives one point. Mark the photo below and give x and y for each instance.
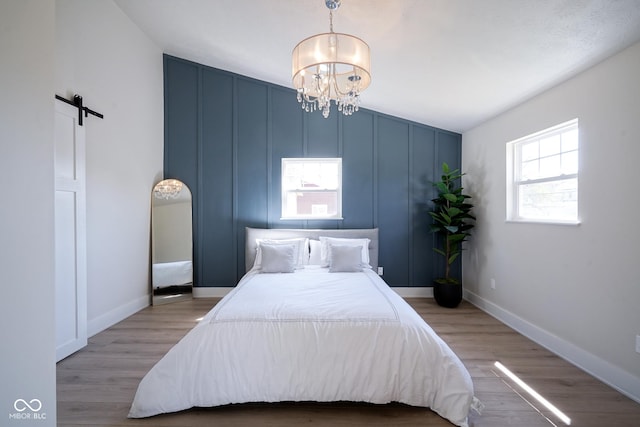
(171, 242)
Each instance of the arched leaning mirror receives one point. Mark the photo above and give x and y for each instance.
(171, 242)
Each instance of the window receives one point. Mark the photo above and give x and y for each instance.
(542, 176)
(312, 188)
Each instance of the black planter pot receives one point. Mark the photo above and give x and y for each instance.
(447, 294)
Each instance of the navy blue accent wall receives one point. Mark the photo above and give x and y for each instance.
(225, 136)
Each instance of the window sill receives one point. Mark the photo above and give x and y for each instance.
(545, 221)
(310, 218)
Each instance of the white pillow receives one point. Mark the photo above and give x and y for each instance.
(315, 250)
(301, 249)
(325, 248)
(346, 259)
(278, 258)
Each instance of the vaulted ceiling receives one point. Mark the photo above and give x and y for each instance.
(447, 63)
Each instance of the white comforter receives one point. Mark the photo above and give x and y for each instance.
(176, 273)
(309, 336)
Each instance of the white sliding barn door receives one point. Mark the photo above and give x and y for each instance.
(70, 232)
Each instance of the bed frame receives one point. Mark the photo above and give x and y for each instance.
(283, 233)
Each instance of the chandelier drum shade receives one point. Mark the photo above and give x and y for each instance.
(331, 67)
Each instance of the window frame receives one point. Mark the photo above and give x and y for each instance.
(329, 160)
(514, 169)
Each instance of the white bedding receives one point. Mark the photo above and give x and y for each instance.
(309, 336)
(172, 274)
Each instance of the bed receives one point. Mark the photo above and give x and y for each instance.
(165, 274)
(310, 321)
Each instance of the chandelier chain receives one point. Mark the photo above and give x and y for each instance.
(330, 20)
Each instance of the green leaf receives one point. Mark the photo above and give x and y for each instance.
(453, 258)
(437, 217)
(450, 197)
(453, 211)
(451, 229)
(435, 229)
(439, 251)
(443, 218)
(456, 237)
(445, 167)
(442, 187)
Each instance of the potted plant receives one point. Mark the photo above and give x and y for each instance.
(452, 222)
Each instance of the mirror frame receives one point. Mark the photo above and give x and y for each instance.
(171, 242)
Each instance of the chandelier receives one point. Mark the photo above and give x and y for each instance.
(331, 66)
(167, 189)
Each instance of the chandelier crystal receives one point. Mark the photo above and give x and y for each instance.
(167, 189)
(331, 67)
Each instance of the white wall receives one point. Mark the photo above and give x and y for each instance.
(172, 231)
(575, 289)
(104, 57)
(27, 358)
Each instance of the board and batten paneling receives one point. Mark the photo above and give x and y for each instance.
(225, 136)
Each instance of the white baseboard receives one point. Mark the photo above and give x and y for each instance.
(114, 316)
(414, 292)
(405, 292)
(621, 380)
(210, 292)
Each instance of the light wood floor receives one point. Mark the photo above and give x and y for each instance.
(96, 385)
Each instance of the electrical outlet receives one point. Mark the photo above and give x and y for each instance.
(380, 271)
(493, 283)
(637, 343)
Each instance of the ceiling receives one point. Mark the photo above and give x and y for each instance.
(451, 64)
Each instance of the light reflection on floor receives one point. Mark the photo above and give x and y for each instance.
(531, 392)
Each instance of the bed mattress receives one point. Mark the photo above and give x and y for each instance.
(311, 335)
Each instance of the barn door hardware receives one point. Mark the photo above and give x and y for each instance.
(77, 102)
